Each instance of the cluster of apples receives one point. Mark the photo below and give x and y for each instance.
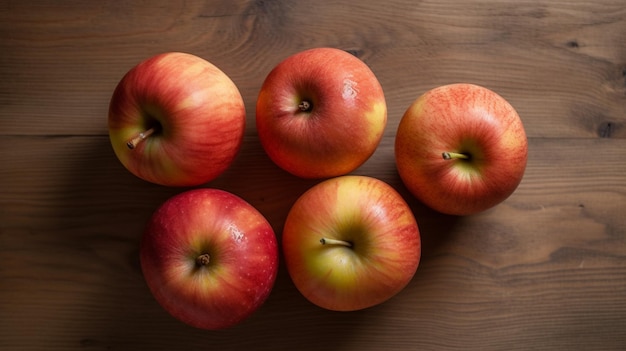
(350, 242)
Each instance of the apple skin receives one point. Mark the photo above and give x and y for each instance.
(198, 113)
(344, 125)
(243, 263)
(361, 210)
(466, 119)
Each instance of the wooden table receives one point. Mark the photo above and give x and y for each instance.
(545, 270)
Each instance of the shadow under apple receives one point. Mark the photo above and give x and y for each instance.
(101, 213)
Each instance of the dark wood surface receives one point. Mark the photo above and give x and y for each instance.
(545, 270)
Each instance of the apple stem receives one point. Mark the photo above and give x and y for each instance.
(203, 259)
(325, 241)
(454, 155)
(305, 106)
(132, 143)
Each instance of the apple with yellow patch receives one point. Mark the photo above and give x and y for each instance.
(351, 242)
(320, 113)
(176, 119)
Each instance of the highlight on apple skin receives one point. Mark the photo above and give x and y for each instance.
(209, 258)
(461, 149)
(320, 113)
(176, 119)
(351, 242)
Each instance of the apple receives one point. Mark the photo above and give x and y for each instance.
(320, 113)
(175, 119)
(461, 149)
(209, 258)
(350, 242)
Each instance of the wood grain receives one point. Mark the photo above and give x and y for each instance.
(546, 269)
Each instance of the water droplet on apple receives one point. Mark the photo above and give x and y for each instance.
(349, 91)
(237, 234)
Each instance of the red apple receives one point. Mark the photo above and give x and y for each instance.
(461, 149)
(320, 113)
(351, 242)
(209, 258)
(176, 120)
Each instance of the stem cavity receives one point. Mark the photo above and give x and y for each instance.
(132, 143)
(203, 260)
(326, 241)
(305, 106)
